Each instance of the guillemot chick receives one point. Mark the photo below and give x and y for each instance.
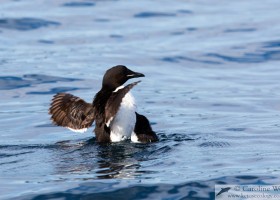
(113, 109)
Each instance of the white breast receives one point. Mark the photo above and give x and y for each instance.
(123, 123)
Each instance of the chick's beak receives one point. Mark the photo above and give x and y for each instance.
(133, 74)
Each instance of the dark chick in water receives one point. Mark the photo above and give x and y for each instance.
(113, 109)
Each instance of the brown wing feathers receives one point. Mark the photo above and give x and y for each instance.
(70, 111)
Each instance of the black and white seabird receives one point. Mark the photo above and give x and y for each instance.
(113, 109)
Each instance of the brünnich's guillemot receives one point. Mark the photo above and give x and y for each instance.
(113, 109)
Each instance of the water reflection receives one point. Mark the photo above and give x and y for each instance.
(122, 160)
(101, 161)
(117, 162)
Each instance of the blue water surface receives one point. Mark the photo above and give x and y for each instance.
(211, 92)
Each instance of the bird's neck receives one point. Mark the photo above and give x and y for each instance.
(101, 97)
(109, 87)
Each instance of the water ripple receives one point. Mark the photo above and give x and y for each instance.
(46, 41)
(177, 59)
(201, 190)
(153, 14)
(215, 144)
(6, 155)
(271, 44)
(176, 137)
(25, 24)
(79, 4)
(240, 30)
(54, 90)
(14, 82)
(249, 57)
(185, 11)
(236, 129)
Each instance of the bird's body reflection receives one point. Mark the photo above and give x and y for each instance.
(90, 160)
(117, 161)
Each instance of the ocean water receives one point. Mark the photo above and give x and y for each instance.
(211, 92)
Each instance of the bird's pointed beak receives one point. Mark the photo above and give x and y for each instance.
(133, 74)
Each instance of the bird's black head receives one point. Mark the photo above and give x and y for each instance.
(117, 76)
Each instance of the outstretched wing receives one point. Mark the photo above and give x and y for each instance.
(72, 112)
(114, 102)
